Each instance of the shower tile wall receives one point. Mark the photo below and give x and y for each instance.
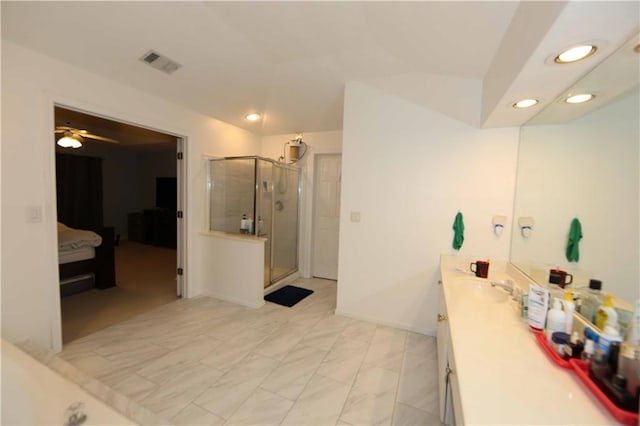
(232, 193)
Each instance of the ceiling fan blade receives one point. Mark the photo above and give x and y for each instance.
(99, 138)
(59, 131)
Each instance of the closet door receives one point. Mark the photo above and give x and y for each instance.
(326, 215)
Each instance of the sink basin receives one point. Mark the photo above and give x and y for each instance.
(481, 291)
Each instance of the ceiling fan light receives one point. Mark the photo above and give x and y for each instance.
(69, 142)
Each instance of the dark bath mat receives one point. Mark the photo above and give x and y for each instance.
(288, 295)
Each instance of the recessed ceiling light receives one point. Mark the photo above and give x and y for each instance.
(525, 103)
(578, 99)
(254, 116)
(576, 53)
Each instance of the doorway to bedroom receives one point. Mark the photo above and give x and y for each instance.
(123, 183)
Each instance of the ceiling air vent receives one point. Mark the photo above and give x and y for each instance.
(160, 62)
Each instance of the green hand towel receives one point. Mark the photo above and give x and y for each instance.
(575, 235)
(458, 228)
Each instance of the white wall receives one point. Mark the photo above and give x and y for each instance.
(408, 171)
(30, 84)
(236, 272)
(319, 143)
(587, 168)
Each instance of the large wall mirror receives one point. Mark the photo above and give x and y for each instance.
(581, 161)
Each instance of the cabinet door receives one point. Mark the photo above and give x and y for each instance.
(442, 339)
(454, 409)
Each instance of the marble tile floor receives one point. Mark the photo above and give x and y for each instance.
(203, 361)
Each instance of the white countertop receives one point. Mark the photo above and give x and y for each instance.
(504, 377)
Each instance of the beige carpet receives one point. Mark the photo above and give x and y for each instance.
(145, 277)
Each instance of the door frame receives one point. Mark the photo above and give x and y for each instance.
(314, 204)
(52, 101)
(181, 221)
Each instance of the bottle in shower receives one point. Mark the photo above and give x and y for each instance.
(244, 224)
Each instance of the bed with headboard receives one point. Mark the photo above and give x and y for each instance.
(86, 259)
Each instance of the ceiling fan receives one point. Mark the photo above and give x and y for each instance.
(73, 138)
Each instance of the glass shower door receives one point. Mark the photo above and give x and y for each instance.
(284, 242)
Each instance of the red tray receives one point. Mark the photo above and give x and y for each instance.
(582, 371)
(557, 359)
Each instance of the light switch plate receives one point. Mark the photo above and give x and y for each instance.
(34, 214)
(355, 217)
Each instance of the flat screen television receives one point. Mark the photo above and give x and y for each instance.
(166, 193)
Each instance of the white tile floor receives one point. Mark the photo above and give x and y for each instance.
(207, 362)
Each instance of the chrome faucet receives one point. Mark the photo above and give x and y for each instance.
(507, 285)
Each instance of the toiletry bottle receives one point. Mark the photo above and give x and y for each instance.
(606, 313)
(575, 347)
(609, 335)
(249, 225)
(538, 302)
(243, 223)
(559, 341)
(524, 306)
(588, 351)
(625, 317)
(591, 299)
(629, 358)
(556, 319)
(569, 308)
(590, 341)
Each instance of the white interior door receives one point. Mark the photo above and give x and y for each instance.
(326, 215)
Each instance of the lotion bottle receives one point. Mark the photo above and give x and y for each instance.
(556, 319)
(569, 308)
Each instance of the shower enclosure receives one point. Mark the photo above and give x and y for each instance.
(259, 197)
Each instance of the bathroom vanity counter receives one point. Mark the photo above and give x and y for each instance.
(502, 376)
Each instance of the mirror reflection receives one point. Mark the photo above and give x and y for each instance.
(581, 162)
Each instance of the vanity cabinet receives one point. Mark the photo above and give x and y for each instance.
(448, 390)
